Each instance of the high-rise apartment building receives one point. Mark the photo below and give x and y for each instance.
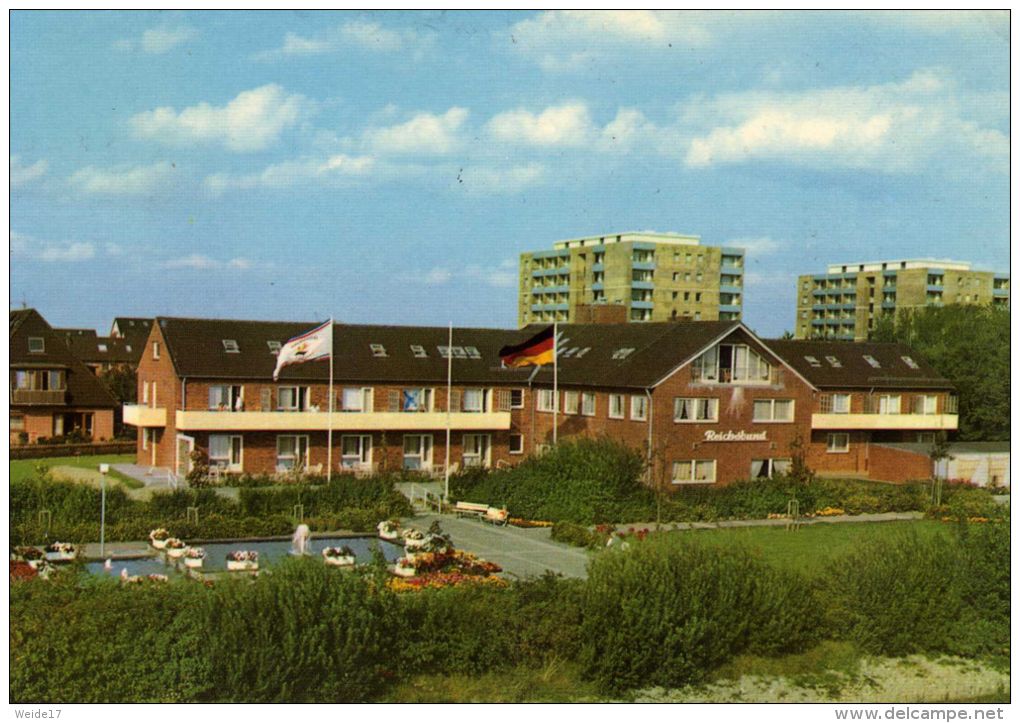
(848, 300)
(652, 276)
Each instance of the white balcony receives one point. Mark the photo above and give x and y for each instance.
(922, 422)
(342, 421)
(142, 416)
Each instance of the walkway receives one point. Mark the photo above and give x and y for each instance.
(520, 552)
(781, 522)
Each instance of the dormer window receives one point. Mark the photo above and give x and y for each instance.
(910, 362)
(472, 352)
(36, 345)
(812, 361)
(378, 350)
(274, 347)
(834, 362)
(230, 346)
(872, 361)
(419, 351)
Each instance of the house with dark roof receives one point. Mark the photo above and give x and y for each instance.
(52, 393)
(706, 402)
(102, 353)
(132, 328)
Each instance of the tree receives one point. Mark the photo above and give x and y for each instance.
(122, 383)
(968, 345)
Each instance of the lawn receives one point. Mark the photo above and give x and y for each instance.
(25, 468)
(809, 548)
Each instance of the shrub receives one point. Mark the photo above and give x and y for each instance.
(668, 610)
(578, 535)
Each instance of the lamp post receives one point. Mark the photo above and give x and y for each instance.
(103, 469)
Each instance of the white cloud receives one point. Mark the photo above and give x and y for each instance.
(489, 180)
(157, 41)
(25, 246)
(250, 122)
(552, 38)
(438, 276)
(201, 262)
(629, 128)
(424, 133)
(123, 180)
(502, 276)
(22, 175)
(359, 34)
(893, 127)
(563, 125)
(291, 173)
(760, 246)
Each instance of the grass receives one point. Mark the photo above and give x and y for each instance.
(811, 547)
(556, 682)
(26, 468)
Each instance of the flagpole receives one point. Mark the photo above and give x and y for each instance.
(449, 401)
(556, 375)
(329, 434)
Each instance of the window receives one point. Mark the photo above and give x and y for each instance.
(925, 404)
(419, 351)
(517, 399)
(230, 346)
(472, 352)
(639, 408)
(516, 444)
(837, 442)
(416, 400)
(886, 404)
(695, 409)
(952, 404)
(571, 402)
(226, 398)
(545, 401)
(836, 404)
(616, 406)
(155, 350)
(458, 352)
(103, 348)
(274, 347)
(356, 399)
(18, 422)
(292, 399)
(731, 363)
(696, 471)
(622, 353)
(773, 410)
(291, 452)
(588, 404)
(476, 450)
(225, 452)
(473, 400)
(872, 361)
(36, 345)
(377, 350)
(766, 468)
(355, 451)
(417, 451)
(910, 362)
(834, 362)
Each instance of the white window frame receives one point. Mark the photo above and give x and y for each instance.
(426, 398)
(423, 453)
(280, 461)
(588, 403)
(301, 395)
(481, 455)
(234, 403)
(364, 395)
(510, 445)
(830, 443)
(771, 419)
(616, 400)
(927, 402)
(770, 465)
(145, 392)
(836, 398)
(695, 466)
(886, 406)
(639, 408)
(360, 460)
(38, 342)
(481, 399)
(520, 395)
(706, 368)
(571, 403)
(545, 400)
(155, 350)
(707, 406)
(228, 463)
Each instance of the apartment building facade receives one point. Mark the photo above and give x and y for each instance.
(847, 301)
(653, 276)
(52, 393)
(705, 402)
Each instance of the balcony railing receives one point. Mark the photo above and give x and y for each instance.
(319, 421)
(39, 396)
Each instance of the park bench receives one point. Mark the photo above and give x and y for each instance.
(497, 516)
(472, 509)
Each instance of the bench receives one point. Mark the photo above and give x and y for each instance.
(470, 508)
(497, 516)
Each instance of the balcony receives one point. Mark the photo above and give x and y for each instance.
(342, 422)
(641, 304)
(643, 265)
(142, 416)
(39, 396)
(921, 422)
(642, 284)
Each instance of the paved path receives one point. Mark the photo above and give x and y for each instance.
(520, 552)
(782, 522)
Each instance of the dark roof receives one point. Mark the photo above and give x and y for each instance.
(134, 328)
(84, 389)
(854, 371)
(93, 349)
(586, 351)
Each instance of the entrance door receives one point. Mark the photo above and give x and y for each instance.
(185, 446)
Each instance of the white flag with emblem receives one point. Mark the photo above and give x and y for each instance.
(310, 346)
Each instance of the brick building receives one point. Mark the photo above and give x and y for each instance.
(707, 402)
(52, 392)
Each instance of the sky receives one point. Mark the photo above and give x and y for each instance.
(389, 167)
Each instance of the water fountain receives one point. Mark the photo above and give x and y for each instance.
(299, 543)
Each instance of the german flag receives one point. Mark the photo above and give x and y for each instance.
(536, 351)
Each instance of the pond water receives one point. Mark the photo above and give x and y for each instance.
(270, 551)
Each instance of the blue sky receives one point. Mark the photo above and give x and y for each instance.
(389, 167)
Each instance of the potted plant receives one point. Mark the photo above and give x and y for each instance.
(243, 560)
(405, 568)
(413, 539)
(342, 556)
(174, 548)
(158, 538)
(194, 557)
(389, 529)
(31, 555)
(61, 552)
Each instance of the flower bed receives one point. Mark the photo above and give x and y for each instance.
(194, 557)
(389, 529)
(61, 551)
(520, 522)
(342, 556)
(436, 580)
(158, 538)
(238, 560)
(174, 548)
